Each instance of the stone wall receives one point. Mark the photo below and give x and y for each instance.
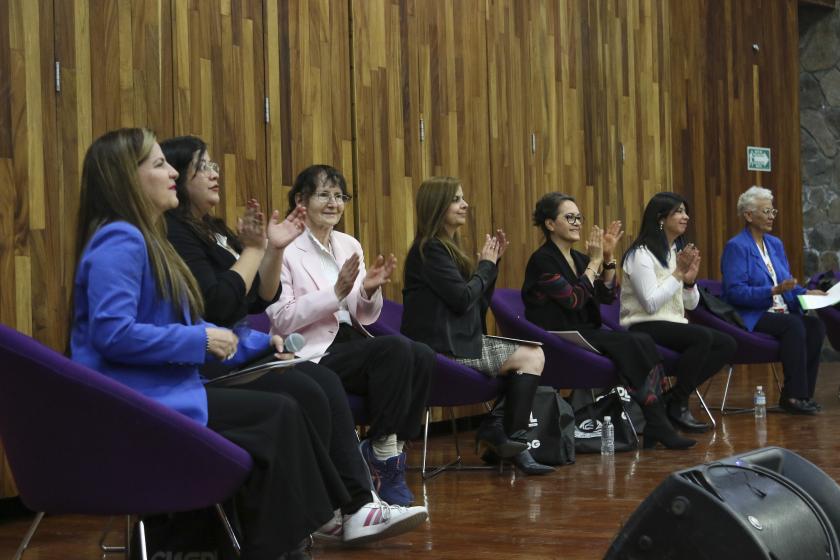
(819, 90)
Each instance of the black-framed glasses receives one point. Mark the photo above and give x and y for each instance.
(325, 197)
(573, 219)
(207, 166)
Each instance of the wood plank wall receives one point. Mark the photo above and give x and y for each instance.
(609, 100)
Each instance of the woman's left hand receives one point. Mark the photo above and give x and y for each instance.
(691, 275)
(612, 235)
(502, 243)
(281, 233)
(379, 273)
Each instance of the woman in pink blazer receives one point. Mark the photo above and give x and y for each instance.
(327, 295)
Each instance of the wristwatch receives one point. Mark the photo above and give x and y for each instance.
(610, 265)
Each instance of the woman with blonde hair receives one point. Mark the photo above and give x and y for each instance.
(446, 296)
(137, 319)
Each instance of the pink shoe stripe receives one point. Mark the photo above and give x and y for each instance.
(370, 517)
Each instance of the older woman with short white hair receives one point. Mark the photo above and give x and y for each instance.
(758, 283)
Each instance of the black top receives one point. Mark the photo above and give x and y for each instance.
(558, 298)
(225, 300)
(441, 308)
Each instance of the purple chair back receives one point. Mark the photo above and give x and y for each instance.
(830, 316)
(753, 347)
(567, 366)
(80, 442)
(259, 322)
(453, 384)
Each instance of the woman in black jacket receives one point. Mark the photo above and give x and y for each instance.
(445, 301)
(562, 291)
(240, 274)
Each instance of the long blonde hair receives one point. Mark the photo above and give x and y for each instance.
(111, 192)
(433, 200)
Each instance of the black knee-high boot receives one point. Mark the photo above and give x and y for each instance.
(504, 435)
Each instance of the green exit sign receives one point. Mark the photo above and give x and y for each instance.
(758, 159)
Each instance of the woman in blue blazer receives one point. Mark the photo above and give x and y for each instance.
(136, 318)
(758, 283)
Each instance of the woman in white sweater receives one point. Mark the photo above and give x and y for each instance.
(660, 270)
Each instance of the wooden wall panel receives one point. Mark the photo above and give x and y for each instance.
(453, 100)
(578, 104)
(310, 94)
(387, 127)
(726, 96)
(31, 298)
(219, 83)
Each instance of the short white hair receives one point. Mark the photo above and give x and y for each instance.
(747, 200)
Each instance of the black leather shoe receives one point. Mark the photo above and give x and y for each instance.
(526, 463)
(680, 415)
(797, 406)
(815, 404)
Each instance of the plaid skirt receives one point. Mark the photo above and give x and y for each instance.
(494, 352)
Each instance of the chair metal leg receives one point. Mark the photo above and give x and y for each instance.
(705, 407)
(29, 534)
(108, 549)
(141, 531)
(228, 529)
(776, 375)
(726, 411)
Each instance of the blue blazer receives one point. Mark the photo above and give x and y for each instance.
(746, 280)
(125, 330)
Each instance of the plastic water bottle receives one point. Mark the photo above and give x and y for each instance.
(760, 402)
(607, 437)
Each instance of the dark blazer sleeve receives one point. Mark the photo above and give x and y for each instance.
(544, 279)
(223, 290)
(442, 276)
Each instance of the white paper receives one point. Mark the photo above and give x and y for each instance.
(577, 339)
(241, 376)
(516, 340)
(817, 302)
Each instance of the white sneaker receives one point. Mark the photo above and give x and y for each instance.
(332, 530)
(378, 520)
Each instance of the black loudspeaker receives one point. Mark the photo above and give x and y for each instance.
(767, 503)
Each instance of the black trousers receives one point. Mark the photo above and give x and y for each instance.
(293, 486)
(801, 339)
(393, 372)
(321, 396)
(703, 351)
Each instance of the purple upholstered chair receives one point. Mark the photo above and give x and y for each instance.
(79, 442)
(260, 322)
(452, 385)
(753, 347)
(610, 316)
(830, 316)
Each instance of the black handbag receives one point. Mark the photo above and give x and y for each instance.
(551, 430)
(720, 308)
(589, 416)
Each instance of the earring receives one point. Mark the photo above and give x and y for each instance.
(660, 226)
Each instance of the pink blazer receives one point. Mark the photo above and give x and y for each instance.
(307, 304)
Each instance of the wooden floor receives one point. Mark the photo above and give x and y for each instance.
(572, 514)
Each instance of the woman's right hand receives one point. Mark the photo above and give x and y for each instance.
(595, 247)
(785, 286)
(251, 227)
(221, 343)
(347, 277)
(491, 250)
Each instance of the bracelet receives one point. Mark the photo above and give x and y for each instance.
(610, 265)
(595, 272)
(207, 347)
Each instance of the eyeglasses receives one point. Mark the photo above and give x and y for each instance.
(206, 166)
(325, 197)
(573, 219)
(770, 212)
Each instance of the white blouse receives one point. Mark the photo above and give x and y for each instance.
(650, 292)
